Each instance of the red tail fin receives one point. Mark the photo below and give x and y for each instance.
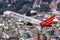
(48, 21)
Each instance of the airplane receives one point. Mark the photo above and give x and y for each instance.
(47, 22)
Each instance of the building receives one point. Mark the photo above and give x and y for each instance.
(2, 1)
(11, 1)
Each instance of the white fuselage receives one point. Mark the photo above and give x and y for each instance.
(22, 17)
